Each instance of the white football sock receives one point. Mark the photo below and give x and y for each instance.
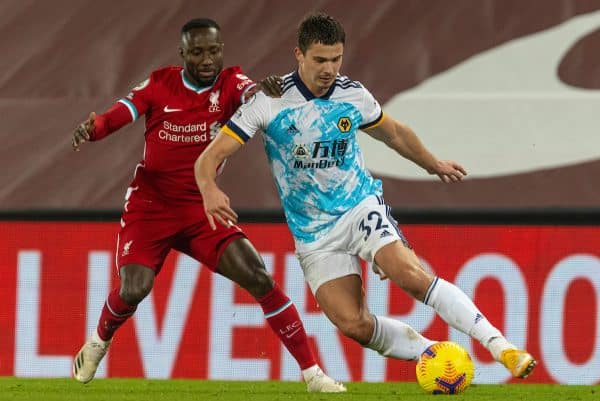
(395, 339)
(457, 309)
(498, 344)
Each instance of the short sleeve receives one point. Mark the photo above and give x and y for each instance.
(370, 110)
(249, 118)
(241, 85)
(139, 99)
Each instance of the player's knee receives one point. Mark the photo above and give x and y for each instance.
(261, 282)
(136, 283)
(415, 281)
(357, 328)
(134, 294)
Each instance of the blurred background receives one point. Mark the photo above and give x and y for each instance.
(508, 88)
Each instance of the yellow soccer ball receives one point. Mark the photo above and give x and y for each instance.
(445, 368)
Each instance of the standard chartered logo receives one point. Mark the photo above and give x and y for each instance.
(181, 133)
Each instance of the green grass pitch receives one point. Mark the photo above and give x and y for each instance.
(13, 389)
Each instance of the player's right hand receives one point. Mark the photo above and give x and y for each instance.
(83, 131)
(216, 206)
(272, 86)
(449, 171)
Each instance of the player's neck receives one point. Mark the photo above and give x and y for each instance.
(315, 90)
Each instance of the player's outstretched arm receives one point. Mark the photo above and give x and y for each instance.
(216, 202)
(83, 132)
(97, 127)
(403, 140)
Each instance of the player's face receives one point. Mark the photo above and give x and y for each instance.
(319, 66)
(202, 53)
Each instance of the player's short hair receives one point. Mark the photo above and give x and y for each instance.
(199, 23)
(319, 28)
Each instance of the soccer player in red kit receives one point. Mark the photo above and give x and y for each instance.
(184, 108)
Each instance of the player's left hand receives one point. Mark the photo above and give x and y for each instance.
(449, 171)
(216, 206)
(272, 86)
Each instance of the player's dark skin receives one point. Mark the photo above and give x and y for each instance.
(202, 53)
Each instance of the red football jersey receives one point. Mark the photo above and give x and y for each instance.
(181, 120)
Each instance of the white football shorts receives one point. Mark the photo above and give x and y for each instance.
(360, 232)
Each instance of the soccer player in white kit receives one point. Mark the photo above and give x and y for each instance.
(335, 208)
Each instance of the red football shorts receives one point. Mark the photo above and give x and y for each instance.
(150, 228)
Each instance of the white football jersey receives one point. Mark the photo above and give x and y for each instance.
(312, 149)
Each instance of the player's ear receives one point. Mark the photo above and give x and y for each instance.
(298, 53)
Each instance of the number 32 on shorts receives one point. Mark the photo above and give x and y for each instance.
(372, 222)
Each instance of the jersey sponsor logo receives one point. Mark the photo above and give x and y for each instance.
(330, 149)
(188, 133)
(213, 98)
(187, 128)
(324, 163)
(323, 154)
(167, 109)
(344, 124)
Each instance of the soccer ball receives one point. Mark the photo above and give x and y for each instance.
(445, 368)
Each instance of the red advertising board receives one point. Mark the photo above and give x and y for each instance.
(539, 284)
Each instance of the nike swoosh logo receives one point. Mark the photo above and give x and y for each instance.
(292, 333)
(168, 110)
(500, 118)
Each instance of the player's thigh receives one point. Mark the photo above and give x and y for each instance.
(241, 263)
(206, 245)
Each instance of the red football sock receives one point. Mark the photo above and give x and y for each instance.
(282, 316)
(114, 313)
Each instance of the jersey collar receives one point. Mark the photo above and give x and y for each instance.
(195, 88)
(308, 95)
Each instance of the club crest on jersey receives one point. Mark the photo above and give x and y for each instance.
(213, 98)
(344, 124)
(126, 248)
